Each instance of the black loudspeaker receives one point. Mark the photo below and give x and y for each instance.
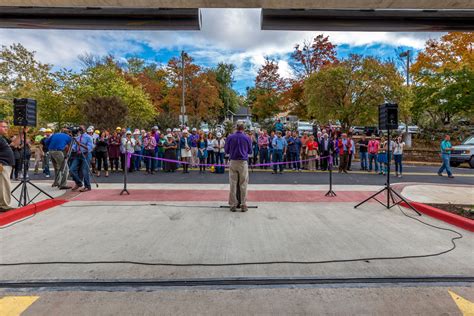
(388, 116)
(24, 112)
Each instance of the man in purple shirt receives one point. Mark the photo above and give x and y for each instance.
(238, 146)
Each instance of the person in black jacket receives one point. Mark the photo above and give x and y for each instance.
(101, 153)
(7, 160)
(326, 147)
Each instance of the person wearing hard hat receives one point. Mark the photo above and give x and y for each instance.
(39, 154)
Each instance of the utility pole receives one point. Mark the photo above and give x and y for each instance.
(183, 106)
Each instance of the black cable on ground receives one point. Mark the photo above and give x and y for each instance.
(453, 239)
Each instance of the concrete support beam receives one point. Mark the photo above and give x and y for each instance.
(100, 18)
(268, 4)
(368, 20)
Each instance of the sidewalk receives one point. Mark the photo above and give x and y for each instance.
(439, 194)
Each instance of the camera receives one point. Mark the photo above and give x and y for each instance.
(76, 130)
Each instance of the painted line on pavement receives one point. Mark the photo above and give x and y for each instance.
(15, 305)
(466, 307)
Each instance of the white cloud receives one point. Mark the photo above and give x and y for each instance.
(227, 35)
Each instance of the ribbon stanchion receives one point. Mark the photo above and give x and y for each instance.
(128, 156)
(330, 193)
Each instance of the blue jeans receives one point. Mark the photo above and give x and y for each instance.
(278, 157)
(373, 157)
(445, 164)
(398, 163)
(363, 160)
(138, 160)
(80, 165)
(220, 158)
(46, 164)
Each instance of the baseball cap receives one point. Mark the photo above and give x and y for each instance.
(219, 134)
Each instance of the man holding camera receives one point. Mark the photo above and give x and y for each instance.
(57, 145)
(7, 160)
(81, 157)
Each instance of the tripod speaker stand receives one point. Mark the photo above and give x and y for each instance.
(388, 117)
(24, 198)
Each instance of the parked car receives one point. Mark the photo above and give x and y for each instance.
(357, 130)
(412, 129)
(463, 153)
(204, 127)
(371, 130)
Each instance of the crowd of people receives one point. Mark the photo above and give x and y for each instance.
(81, 152)
(184, 148)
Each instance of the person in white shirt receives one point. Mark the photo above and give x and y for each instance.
(398, 146)
(128, 147)
(219, 151)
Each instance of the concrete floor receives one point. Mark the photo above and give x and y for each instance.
(419, 300)
(195, 232)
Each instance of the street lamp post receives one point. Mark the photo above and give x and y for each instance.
(183, 106)
(406, 54)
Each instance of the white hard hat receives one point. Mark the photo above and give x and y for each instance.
(90, 129)
(194, 129)
(42, 129)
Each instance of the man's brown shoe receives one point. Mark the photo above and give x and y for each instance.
(244, 208)
(233, 209)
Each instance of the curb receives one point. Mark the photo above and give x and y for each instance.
(450, 218)
(22, 212)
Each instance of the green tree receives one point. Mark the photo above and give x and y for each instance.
(352, 90)
(57, 100)
(225, 79)
(21, 76)
(107, 80)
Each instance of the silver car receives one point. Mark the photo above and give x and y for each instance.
(463, 153)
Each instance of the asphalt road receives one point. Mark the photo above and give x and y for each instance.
(413, 174)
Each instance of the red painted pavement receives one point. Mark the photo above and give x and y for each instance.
(22, 212)
(222, 195)
(453, 219)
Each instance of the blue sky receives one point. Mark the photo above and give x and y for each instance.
(227, 35)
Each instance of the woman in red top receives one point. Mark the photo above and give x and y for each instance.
(312, 152)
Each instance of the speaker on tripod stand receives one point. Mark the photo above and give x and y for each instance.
(24, 114)
(388, 120)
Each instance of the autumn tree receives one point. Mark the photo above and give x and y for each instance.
(444, 79)
(306, 59)
(311, 57)
(351, 90)
(264, 99)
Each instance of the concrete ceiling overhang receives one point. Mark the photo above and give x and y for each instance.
(341, 15)
(267, 4)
